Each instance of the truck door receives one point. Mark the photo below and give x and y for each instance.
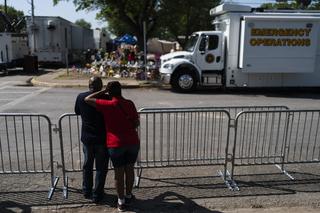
(209, 54)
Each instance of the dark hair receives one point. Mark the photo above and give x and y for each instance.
(114, 88)
(95, 84)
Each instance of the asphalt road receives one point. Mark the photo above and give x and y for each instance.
(196, 193)
(16, 95)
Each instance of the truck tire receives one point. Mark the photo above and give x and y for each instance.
(184, 81)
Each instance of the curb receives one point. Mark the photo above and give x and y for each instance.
(36, 82)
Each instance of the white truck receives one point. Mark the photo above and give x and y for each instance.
(13, 48)
(249, 48)
(55, 40)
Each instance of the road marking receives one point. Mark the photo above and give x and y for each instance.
(19, 100)
(4, 83)
(11, 92)
(6, 99)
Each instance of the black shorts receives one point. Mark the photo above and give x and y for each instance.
(122, 156)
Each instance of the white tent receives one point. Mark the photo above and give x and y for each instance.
(161, 47)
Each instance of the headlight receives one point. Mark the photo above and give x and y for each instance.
(168, 66)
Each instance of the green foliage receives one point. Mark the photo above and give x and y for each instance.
(83, 23)
(182, 17)
(164, 18)
(15, 17)
(297, 4)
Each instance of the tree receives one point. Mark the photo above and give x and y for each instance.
(182, 17)
(163, 18)
(12, 21)
(83, 23)
(297, 4)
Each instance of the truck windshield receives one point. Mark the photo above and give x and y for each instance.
(192, 43)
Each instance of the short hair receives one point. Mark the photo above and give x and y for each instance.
(114, 88)
(95, 83)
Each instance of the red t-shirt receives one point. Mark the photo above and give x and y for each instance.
(119, 121)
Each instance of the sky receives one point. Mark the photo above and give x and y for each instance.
(63, 9)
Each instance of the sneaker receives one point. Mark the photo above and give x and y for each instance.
(129, 198)
(122, 207)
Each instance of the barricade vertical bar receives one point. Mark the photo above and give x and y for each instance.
(296, 138)
(71, 142)
(303, 134)
(16, 140)
(54, 180)
(316, 137)
(24, 144)
(8, 143)
(79, 140)
(154, 138)
(161, 139)
(182, 138)
(65, 178)
(32, 143)
(40, 143)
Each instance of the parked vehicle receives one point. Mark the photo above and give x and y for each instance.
(13, 48)
(55, 40)
(249, 48)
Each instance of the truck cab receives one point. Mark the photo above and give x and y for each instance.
(201, 63)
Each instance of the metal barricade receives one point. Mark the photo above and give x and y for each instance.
(276, 137)
(176, 138)
(233, 110)
(71, 147)
(26, 145)
(170, 137)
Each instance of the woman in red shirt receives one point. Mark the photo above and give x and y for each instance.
(121, 120)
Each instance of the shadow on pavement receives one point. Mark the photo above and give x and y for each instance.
(21, 72)
(10, 207)
(173, 194)
(169, 202)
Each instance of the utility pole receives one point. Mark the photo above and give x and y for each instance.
(33, 28)
(5, 7)
(145, 49)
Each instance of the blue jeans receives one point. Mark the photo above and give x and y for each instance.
(97, 153)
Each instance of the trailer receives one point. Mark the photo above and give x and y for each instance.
(55, 40)
(250, 48)
(13, 48)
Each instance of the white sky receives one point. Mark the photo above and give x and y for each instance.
(63, 9)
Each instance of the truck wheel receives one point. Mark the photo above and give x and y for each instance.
(184, 81)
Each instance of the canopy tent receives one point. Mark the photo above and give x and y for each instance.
(160, 46)
(128, 39)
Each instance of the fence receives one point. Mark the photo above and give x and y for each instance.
(26, 146)
(232, 110)
(172, 137)
(71, 147)
(276, 137)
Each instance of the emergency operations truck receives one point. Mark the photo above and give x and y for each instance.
(249, 48)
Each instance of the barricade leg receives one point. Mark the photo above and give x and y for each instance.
(54, 182)
(138, 177)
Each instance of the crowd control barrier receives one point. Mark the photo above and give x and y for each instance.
(230, 137)
(170, 137)
(276, 137)
(232, 110)
(26, 146)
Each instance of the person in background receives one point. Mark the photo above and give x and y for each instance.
(93, 139)
(121, 120)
